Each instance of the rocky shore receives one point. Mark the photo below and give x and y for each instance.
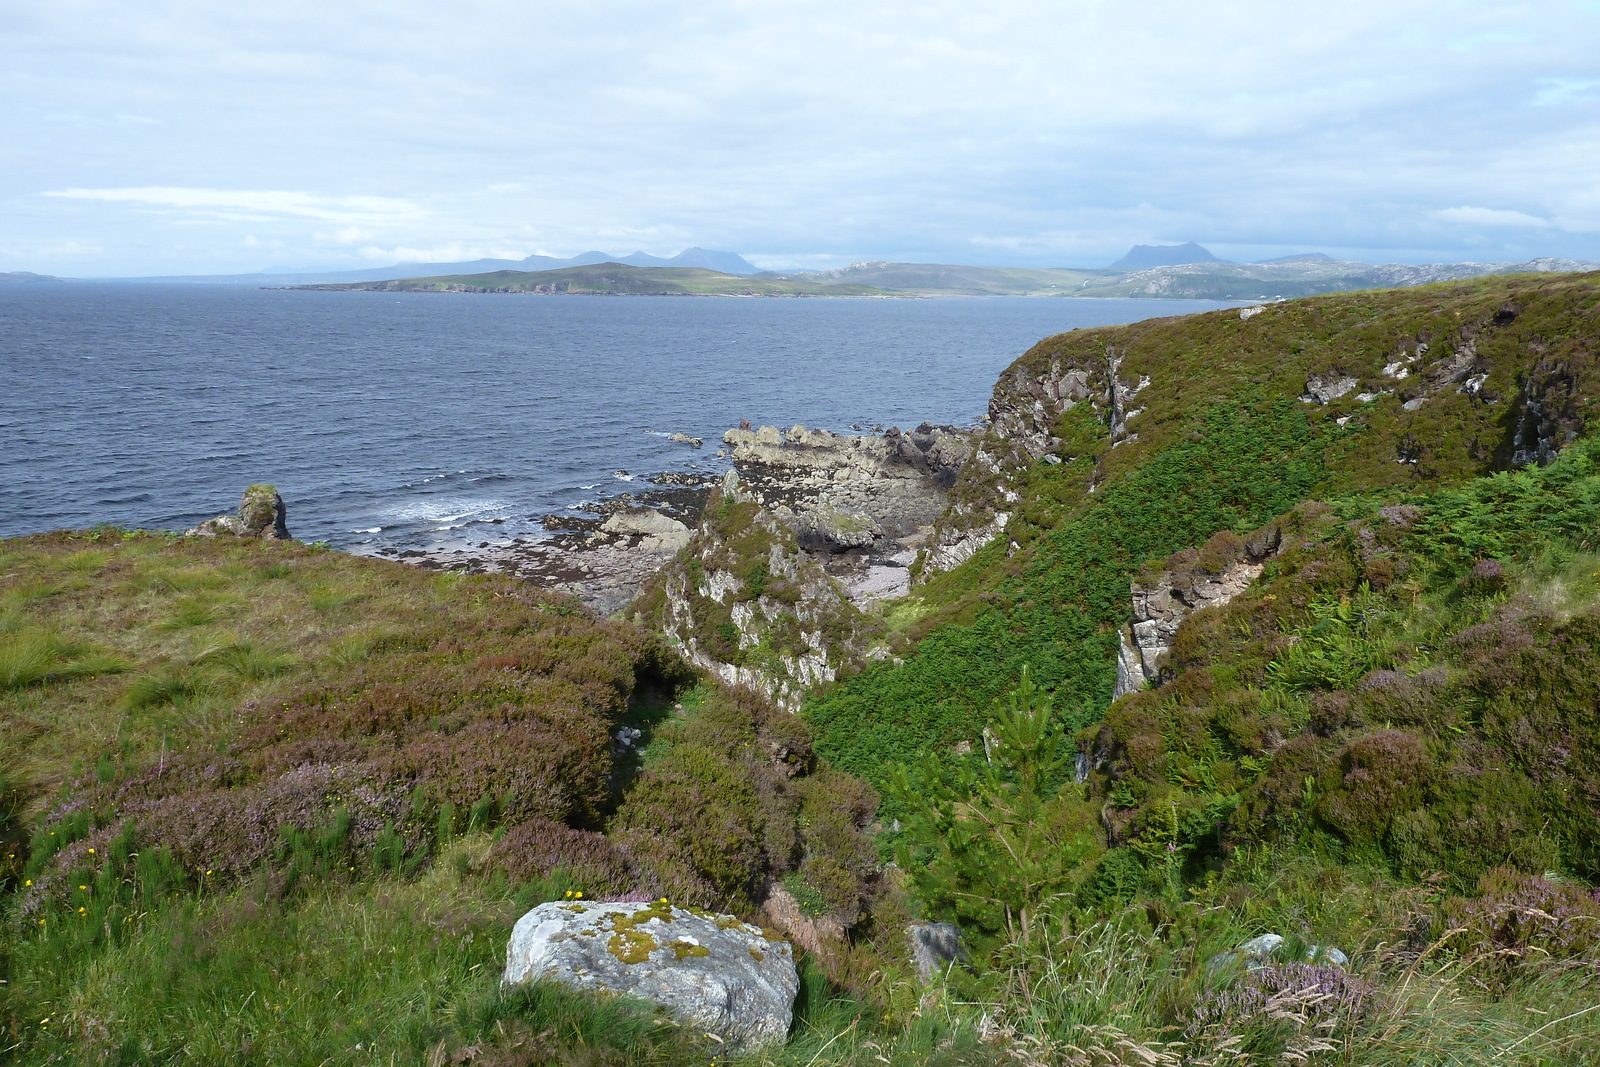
(861, 505)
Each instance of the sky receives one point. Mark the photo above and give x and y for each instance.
(190, 136)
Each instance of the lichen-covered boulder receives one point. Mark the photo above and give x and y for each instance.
(710, 971)
(261, 514)
(1259, 952)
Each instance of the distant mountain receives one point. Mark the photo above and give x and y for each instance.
(1143, 257)
(24, 277)
(704, 258)
(724, 262)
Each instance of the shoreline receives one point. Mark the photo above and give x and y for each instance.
(862, 506)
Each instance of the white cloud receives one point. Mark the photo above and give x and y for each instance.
(450, 253)
(228, 203)
(1487, 216)
(1055, 131)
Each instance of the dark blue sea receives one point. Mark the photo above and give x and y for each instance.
(391, 420)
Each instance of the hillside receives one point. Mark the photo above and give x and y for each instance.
(1243, 712)
(615, 279)
(1298, 276)
(257, 795)
(935, 279)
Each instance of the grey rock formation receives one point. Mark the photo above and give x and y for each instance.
(261, 514)
(827, 530)
(685, 439)
(1024, 417)
(709, 971)
(934, 947)
(657, 532)
(1160, 605)
(1325, 389)
(793, 629)
(895, 480)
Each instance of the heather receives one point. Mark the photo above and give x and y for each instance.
(251, 773)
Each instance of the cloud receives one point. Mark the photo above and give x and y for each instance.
(1487, 216)
(1025, 131)
(450, 253)
(229, 203)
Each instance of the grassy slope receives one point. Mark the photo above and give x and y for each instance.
(261, 799)
(1222, 444)
(612, 278)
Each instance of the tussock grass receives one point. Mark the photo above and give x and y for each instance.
(30, 657)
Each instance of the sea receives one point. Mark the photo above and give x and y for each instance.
(392, 421)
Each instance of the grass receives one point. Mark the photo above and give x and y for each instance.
(136, 623)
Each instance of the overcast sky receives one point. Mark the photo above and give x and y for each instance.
(191, 136)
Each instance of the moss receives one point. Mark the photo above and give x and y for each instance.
(628, 942)
(683, 950)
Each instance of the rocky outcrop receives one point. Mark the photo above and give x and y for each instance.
(1189, 581)
(710, 971)
(1549, 414)
(1326, 388)
(1026, 408)
(1025, 427)
(260, 514)
(744, 601)
(655, 532)
(893, 483)
(820, 935)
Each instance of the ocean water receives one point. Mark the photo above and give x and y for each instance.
(394, 420)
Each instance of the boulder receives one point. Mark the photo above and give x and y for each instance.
(934, 947)
(1326, 388)
(709, 971)
(830, 531)
(660, 533)
(1257, 952)
(261, 514)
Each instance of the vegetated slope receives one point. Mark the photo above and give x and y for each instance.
(1297, 276)
(1110, 447)
(610, 279)
(1387, 743)
(237, 776)
(1410, 683)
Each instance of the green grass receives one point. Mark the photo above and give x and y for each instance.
(1053, 607)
